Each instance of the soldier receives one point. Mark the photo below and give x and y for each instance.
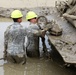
(14, 38)
(36, 32)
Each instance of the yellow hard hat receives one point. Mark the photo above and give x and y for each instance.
(30, 15)
(16, 14)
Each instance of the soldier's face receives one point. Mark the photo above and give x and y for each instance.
(34, 20)
(20, 20)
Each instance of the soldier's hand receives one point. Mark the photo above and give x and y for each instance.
(43, 33)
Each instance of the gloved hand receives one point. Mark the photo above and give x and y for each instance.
(43, 32)
(40, 33)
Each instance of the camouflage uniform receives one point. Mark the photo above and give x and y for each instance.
(44, 41)
(14, 38)
(33, 37)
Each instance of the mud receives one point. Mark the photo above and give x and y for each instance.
(35, 67)
(65, 43)
(5, 12)
(67, 9)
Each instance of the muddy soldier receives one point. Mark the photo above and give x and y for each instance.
(14, 50)
(33, 47)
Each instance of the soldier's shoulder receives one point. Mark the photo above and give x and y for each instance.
(7, 29)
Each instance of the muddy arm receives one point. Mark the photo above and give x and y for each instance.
(5, 49)
(6, 41)
(39, 33)
(5, 45)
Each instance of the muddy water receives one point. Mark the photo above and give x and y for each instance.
(34, 66)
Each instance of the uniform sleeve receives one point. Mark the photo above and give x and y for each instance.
(35, 30)
(6, 41)
(6, 36)
(39, 32)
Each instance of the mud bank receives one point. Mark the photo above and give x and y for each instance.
(5, 12)
(66, 43)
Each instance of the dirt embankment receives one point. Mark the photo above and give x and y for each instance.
(41, 7)
(5, 12)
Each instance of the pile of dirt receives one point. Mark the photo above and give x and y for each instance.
(5, 12)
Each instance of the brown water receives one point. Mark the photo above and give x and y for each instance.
(34, 66)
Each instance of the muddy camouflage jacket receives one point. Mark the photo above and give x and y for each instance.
(14, 38)
(33, 38)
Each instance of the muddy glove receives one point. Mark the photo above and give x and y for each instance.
(43, 32)
(40, 32)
